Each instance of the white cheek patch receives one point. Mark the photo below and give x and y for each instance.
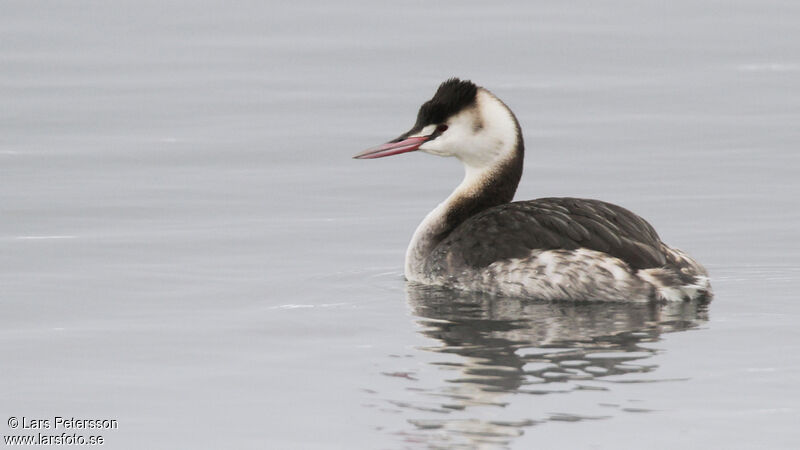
(479, 136)
(427, 131)
(438, 146)
(458, 136)
(434, 147)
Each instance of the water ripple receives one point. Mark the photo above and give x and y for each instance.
(511, 351)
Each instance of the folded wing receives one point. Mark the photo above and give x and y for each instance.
(516, 229)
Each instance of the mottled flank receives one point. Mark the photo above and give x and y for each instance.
(681, 278)
(577, 275)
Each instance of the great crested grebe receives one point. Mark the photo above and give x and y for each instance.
(548, 248)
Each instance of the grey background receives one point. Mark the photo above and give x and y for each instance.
(186, 245)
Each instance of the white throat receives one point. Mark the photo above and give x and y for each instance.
(485, 139)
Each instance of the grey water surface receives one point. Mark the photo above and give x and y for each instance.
(187, 247)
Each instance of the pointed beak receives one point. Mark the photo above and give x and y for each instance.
(402, 144)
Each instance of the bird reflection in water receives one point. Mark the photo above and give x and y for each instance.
(499, 351)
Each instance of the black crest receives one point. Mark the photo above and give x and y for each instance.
(452, 96)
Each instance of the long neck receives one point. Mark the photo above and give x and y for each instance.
(482, 188)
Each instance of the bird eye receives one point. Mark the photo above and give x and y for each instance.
(441, 128)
